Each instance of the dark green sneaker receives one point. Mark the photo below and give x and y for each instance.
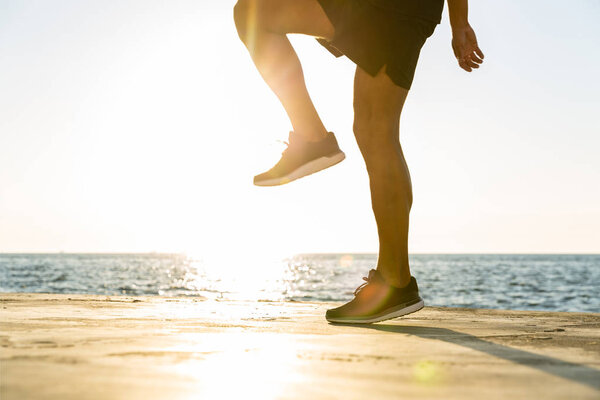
(375, 301)
(302, 158)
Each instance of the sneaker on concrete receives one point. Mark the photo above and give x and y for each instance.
(376, 300)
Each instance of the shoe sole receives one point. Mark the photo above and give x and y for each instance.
(392, 313)
(309, 168)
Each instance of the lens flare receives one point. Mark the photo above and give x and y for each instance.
(427, 372)
(346, 261)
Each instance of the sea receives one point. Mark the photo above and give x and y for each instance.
(496, 281)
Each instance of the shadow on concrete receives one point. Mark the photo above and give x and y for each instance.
(575, 372)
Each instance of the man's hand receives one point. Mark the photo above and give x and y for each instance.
(466, 50)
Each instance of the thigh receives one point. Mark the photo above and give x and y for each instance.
(378, 102)
(287, 16)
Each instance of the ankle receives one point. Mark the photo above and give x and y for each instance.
(312, 135)
(395, 279)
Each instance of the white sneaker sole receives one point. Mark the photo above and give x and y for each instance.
(307, 169)
(389, 315)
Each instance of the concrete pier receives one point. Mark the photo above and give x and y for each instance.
(99, 347)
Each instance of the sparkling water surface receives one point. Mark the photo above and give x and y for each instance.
(518, 282)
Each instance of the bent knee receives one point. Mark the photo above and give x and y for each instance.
(250, 15)
(254, 15)
(241, 11)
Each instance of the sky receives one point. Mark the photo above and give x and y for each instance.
(137, 126)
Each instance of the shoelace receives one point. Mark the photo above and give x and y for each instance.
(367, 280)
(287, 146)
(290, 142)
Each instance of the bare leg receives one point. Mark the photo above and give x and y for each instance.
(378, 103)
(262, 26)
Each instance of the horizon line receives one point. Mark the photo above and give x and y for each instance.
(292, 255)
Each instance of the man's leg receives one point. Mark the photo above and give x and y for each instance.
(377, 106)
(262, 26)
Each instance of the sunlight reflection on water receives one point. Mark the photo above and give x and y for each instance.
(526, 282)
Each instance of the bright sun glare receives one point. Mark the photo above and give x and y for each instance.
(148, 141)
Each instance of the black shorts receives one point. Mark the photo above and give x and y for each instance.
(373, 36)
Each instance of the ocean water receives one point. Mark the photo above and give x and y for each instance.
(518, 282)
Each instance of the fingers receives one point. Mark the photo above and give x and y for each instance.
(476, 57)
(479, 52)
(471, 60)
(471, 64)
(464, 66)
(467, 64)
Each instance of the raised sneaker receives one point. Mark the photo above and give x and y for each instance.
(376, 300)
(302, 158)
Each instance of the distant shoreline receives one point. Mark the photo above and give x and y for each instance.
(297, 254)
